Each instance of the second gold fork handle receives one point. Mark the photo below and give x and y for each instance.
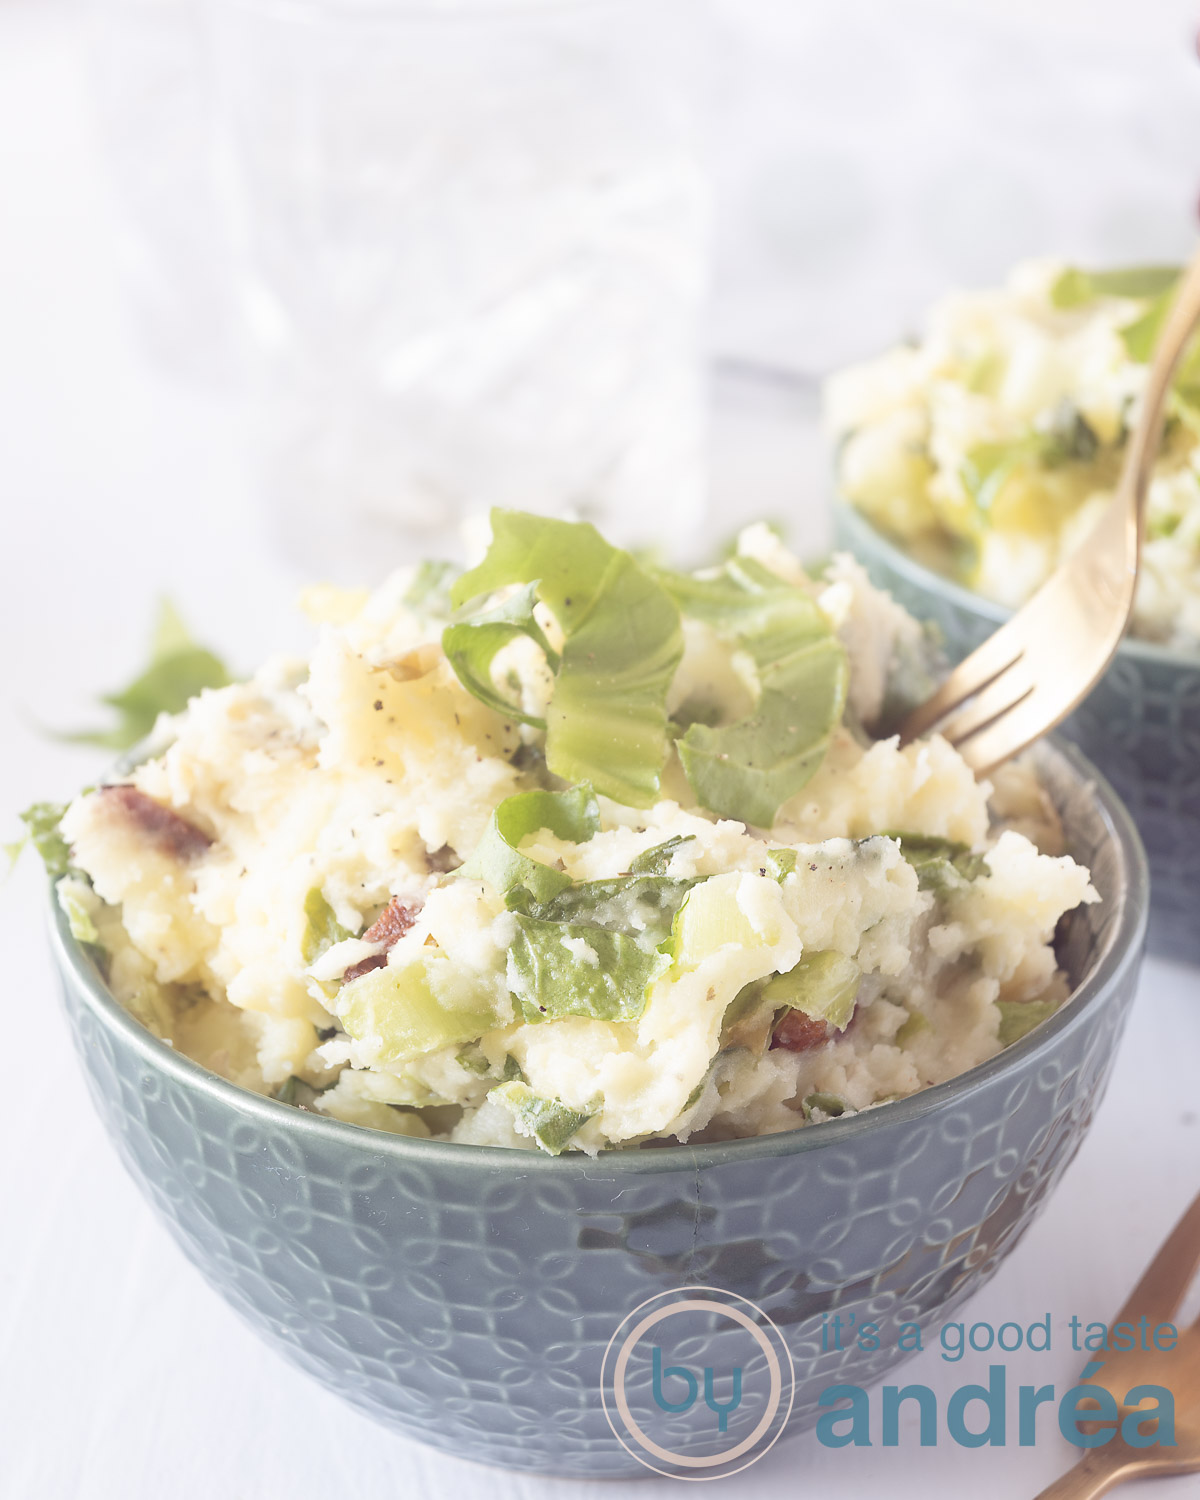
(1099, 1471)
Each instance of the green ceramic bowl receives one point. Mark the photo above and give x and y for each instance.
(465, 1295)
(1140, 724)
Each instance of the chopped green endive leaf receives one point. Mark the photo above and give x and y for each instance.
(405, 1012)
(824, 985)
(748, 769)
(322, 928)
(987, 467)
(607, 720)
(179, 669)
(572, 815)
(471, 645)
(941, 864)
(558, 969)
(780, 863)
(657, 861)
(1018, 1018)
(472, 1058)
(1075, 287)
(286, 1092)
(429, 591)
(829, 1104)
(42, 820)
(548, 1121)
(641, 906)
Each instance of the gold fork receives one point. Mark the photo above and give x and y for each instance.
(1038, 666)
(1155, 1298)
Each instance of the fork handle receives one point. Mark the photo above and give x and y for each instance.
(1095, 1474)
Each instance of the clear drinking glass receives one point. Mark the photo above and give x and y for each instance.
(471, 245)
(151, 90)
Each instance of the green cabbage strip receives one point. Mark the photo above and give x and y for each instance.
(570, 815)
(549, 1122)
(558, 969)
(941, 864)
(429, 591)
(1156, 286)
(472, 645)
(748, 769)
(823, 985)
(322, 929)
(1075, 288)
(607, 720)
(657, 861)
(179, 669)
(642, 907)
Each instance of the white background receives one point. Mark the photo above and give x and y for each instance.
(121, 1375)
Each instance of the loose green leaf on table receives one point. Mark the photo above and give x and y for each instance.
(179, 669)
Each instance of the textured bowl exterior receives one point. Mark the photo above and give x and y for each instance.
(1140, 725)
(465, 1295)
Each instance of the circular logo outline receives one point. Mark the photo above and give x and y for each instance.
(736, 1315)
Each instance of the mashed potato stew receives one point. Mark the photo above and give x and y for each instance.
(990, 448)
(569, 853)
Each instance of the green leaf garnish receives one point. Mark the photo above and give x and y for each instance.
(657, 861)
(179, 669)
(471, 645)
(941, 864)
(548, 1121)
(748, 769)
(607, 721)
(571, 815)
(1018, 1018)
(1075, 287)
(558, 969)
(323, 929)
(79, 919)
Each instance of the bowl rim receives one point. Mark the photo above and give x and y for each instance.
(1123, 952)
(866, 534)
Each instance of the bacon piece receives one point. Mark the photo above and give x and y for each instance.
(164, 828)
(388, 927)
(800, 1033)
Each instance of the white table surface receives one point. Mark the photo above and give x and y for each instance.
(121, 1374)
